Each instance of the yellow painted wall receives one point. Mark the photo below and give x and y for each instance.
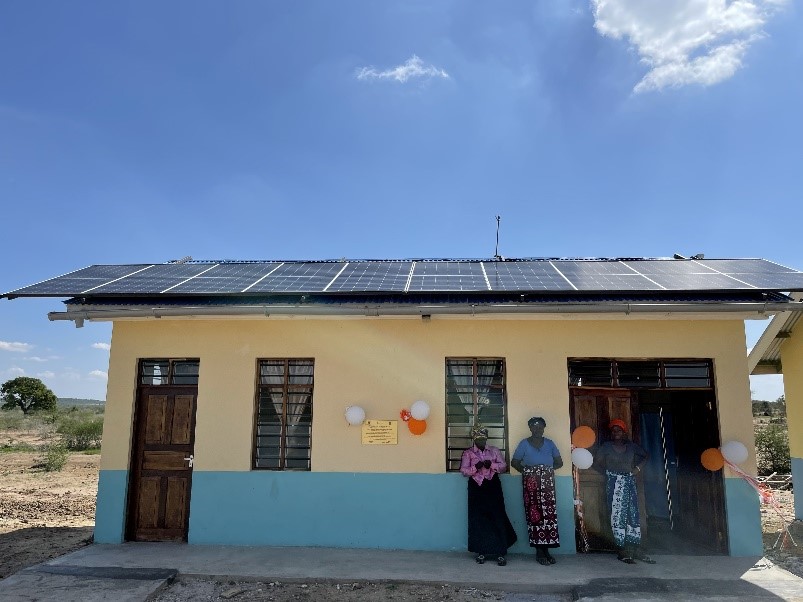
(792, 361)
(384, 365)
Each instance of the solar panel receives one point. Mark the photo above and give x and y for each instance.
(442, 276)
(381, 276)
(226, 278)
(82, 280)
(305, 277)
(421, 276)
(605, 276)
(667, 266)
(156, 278)
(525, 275)
(789, 281)
(700, 282)
(744, 266)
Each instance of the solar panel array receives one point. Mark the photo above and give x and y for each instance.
(414, 276)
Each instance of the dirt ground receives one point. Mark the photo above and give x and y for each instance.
(44, 515)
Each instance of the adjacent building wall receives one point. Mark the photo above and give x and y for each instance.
(389, 496)
(792, 362)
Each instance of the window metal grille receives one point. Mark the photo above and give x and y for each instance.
(155, 372)
(475, 389)
(633, 374)
(283, 431)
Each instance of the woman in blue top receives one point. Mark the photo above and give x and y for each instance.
(537, 457)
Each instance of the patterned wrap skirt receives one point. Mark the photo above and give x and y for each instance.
(540, 506)
(489, 529)
(623, 502)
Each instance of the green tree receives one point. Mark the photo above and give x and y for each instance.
(28, 394)
(772, 449)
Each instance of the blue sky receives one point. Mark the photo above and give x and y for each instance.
(148, 131)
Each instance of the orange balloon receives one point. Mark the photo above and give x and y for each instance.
(583, 436)
(416, 427)
(712, 459)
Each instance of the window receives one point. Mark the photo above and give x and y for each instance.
(169, 372)
(283, 433)
(475, 389)
(633, 374)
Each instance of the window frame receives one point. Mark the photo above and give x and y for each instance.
(503, 442)
(662, 364)
(171, 372)
(287, 388)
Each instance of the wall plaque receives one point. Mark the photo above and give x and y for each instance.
(380, 432)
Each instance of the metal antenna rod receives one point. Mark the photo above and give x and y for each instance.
(498, 219)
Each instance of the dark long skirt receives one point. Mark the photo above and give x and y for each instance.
(623, 504)
(540, 507)
(489, 529)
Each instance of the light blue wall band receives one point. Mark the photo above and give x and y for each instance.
(797, 479)
(744, 518)
(356, 510)
(110, 511)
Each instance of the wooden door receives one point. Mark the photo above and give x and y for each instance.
(700, 498)
(596, 408)
(161, 473)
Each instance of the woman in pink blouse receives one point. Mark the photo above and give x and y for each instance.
(490, 533)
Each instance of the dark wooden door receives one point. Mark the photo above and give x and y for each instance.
(699, 497)
(161, 474)
(596, 408)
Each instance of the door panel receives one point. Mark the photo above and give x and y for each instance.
(596, 408)
(700, 492)
(161, 474)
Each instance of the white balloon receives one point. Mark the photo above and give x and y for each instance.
(355, 415)
(420, 410)
(582, 458)
(734, 452)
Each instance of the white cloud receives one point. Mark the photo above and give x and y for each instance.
(34, 358)
(13, 372)
(98, 374)
(19, 347)
(46, 374)
(104, 346)
(685, 41)
(413, 68)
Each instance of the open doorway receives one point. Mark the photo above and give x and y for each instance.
(682, 505)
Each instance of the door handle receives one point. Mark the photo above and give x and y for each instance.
(191, 459)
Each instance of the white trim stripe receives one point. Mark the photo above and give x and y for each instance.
(262, 278)
(188, 279)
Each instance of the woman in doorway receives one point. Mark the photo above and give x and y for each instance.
(621, 460)
(537, 457)
(490, 533)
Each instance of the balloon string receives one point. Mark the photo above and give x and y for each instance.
(578, 506)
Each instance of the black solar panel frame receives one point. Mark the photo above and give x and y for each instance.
(419, 276)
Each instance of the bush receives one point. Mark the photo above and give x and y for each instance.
(772, 449)
(12, 420)
(54, 456)
(80, 429)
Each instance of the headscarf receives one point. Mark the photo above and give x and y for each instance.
(478, 432)
(618, 422)
(536, 420)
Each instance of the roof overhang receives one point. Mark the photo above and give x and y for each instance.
(765, 356)
(731, 309)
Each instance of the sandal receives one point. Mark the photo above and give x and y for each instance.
(626, 559)
(480, 559)
(550, 559)
(501, 561)
(543, 560)
(645, 559)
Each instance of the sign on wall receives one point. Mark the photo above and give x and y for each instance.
(380, 432)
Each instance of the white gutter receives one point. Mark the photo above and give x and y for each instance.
(94, 313)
